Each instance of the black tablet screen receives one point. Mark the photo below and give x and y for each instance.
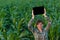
(38, 10)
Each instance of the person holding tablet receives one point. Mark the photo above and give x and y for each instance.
(39, 33)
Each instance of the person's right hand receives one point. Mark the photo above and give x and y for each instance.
(32, 14)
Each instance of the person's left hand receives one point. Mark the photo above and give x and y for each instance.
(44, 13)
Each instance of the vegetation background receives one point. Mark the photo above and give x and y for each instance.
(15, 15)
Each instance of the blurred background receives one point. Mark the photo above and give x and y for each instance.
(15, 15)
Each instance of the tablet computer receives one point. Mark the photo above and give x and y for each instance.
(38, 10)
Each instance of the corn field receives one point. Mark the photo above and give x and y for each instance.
(15, 15)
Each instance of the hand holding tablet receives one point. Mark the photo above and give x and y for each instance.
(39, 10)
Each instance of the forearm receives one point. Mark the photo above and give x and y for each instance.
(48, 19)
(49, 23)
(30, 23)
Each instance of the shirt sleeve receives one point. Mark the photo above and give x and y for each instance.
(48, 25)
(30, 25)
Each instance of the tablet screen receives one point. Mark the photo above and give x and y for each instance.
(38, 10)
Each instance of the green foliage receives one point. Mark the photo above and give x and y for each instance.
(15, 15)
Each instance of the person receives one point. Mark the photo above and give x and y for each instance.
(40, 33)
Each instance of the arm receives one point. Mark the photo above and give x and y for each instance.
(48, 25)
(30, 23)
(49, 21)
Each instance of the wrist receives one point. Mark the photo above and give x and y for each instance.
(45, 15)
(32, 17)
